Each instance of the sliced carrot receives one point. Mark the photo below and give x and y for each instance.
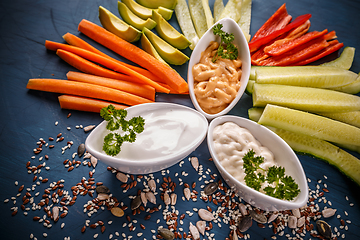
(133, 53)
(107, 62)
(85, 104)
(85, 90)
(141, 90)
(78, 42)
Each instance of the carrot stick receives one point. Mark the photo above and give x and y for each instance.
(133, 53)
(109, 63)
(85, 90)
(85, 104)
(78, 42)
(141, 90)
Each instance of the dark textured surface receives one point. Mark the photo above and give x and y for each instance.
(27, 116)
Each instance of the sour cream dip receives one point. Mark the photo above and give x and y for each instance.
(232, 142)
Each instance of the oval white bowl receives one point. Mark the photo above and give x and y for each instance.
(94, 142)
(229, 26)
(283, 155)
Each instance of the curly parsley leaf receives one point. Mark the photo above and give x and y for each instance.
(116, 120)
(280, 185)
(227, 49)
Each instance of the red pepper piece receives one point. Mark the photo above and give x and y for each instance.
(299, 31)
(253, 46)
(298, 54)
(277, 21)
(330, 36)
(281, 47)
(333, 47)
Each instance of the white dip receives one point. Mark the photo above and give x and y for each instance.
(232, 142)
(167, 131)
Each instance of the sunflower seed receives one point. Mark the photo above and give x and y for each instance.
(235, 237)
(166, 233)
(135, 203)
(103, 196)
(93, 161)
(187, 193)
(292, 222)
(167, 200)
(328, 212)
(173, 198)
(89, 128)
(194, 232)
(323, 228)
(245, 223)
(301, 222)
(205, 215)
(121, 177)
(55, 213)
(195, 163)
(243, 210)
(143, 198)
(201, 226)
(296, 212)
(211, 188)
(81, 150)
(258, 217)
(151, 197)
(102, 189)
(152, 185)
(272, 217)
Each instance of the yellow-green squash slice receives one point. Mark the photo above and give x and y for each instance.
(170, 54)
(351, 88)
(128, 16)
(118, 27)
(344, 61)
(310, 124)
(304, 98)
(352, 118)
(169, 33)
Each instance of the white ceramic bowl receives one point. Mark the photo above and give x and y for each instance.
(229, 26)
(284, 156)
(144, 163)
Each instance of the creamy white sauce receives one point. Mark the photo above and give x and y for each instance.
(166, 132)
(232, 142)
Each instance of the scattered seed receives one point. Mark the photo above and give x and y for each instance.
(301, 221)
(245, 223)
(187, 193)
(323, 228)
(151, 197)
(143, 198)
(258, 217)
(102, 189)
(195, 163)
(55, 213)
(328, 212)
(81, 150)
(116, 211)
(152, 185)
(272, 217)
(194, 232)
(103, 196)
(135, 203)
(205, 215)
(93, 161)
(201, 226)
(121, 177)
(211, 188)
(89, 128)
(166, 233)
(167, 199)
(292, 223)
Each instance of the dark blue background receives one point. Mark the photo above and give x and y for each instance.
(26, 116)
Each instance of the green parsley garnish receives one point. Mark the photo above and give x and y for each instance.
(116, 120)
(230, 51)
(285, 186)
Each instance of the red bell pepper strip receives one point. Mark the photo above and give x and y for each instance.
(281, 47)
(333, 47)
(253, 46)
(298, 54)
(330, 36)
(299, 31)
(277, 21)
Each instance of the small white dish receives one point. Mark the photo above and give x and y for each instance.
(283, 155)
(229, 26)
(144, 157)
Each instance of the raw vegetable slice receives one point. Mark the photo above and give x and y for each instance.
(344, 61)
(184, 19)
(144, 12)
(208, 14)
(344, 161)
(245, 18)
(351, 88)
(117, 26)
(250, 87)
(170, 4)
(135, 54)
(85, 104)
(255, 113)
(218, 8)
(352, 118)
(133, 20)
(231, 10)
(306, 76)
(73, 40)
(198, 17)
(304, 98)
(310, 124)
(149, 48)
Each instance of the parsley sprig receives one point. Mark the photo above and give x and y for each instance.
(116, 120)
(285, 186)
(230, 51)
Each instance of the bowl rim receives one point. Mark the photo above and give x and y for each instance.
(246, 64)
(168, 159)
(299, 201)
